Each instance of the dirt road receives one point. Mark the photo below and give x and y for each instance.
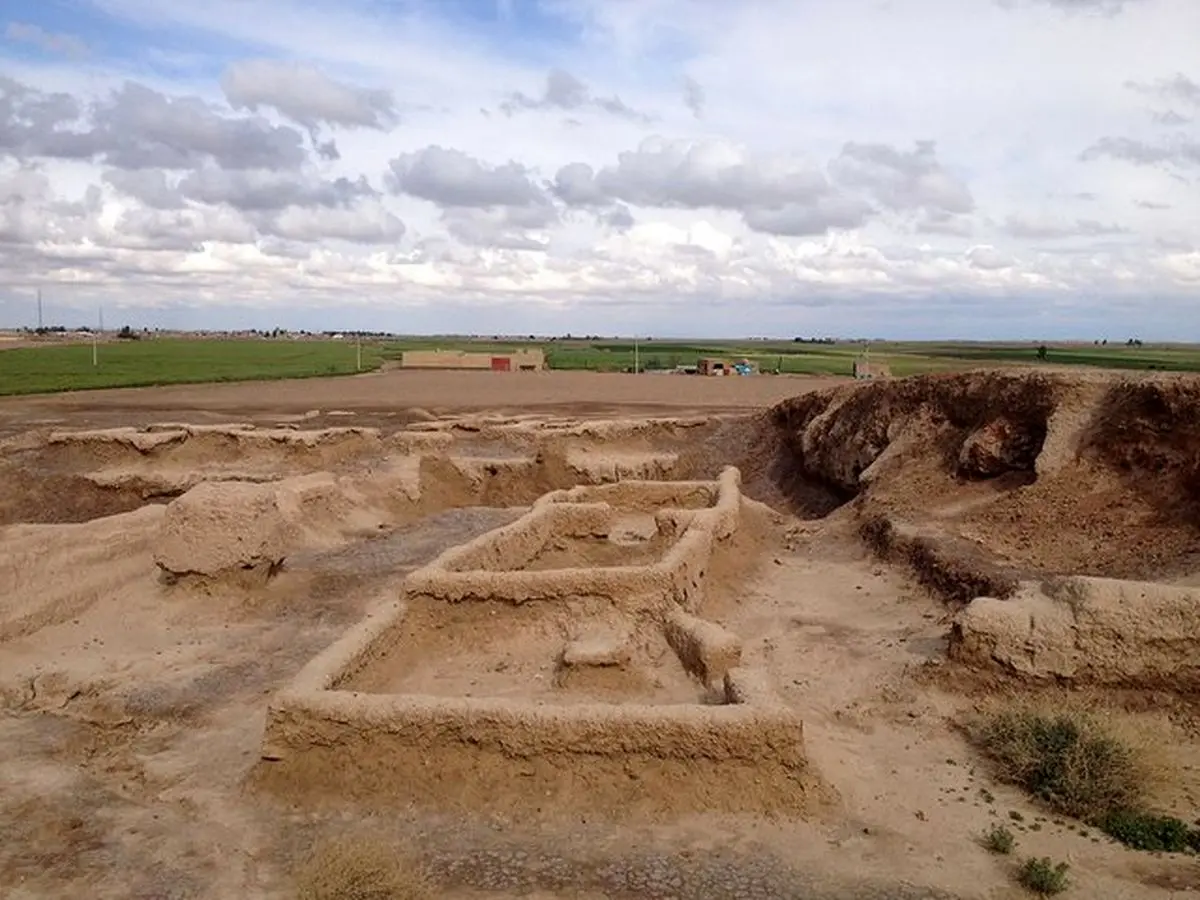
(577, 393)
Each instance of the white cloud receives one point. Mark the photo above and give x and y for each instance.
(703, 164)
(306, 95)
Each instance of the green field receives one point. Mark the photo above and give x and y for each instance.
(165, 360)
(34, 370)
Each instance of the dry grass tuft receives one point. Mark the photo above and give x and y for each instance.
(350, 869)
(1085, 764)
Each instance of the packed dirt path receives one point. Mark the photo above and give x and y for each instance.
(574, 393)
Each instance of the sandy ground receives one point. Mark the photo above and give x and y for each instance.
(131, 711)
(381, 393)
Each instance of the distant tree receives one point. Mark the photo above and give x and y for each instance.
(1104, 343)
(127, 334)
(1042, 351)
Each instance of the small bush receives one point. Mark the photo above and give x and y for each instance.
(999, 840)
(1066, 760)
(359, 870)
(1148, 831)
(1076, 765)
(1044, 876)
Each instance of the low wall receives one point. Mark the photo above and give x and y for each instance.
(513, 546)
(745, 755)
(487, 568)
(608, 466)
(1086, 630)
(206, 446)
(704, 648)
(508, 755)
(640, 496)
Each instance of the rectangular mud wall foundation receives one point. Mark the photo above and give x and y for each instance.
(497, 754)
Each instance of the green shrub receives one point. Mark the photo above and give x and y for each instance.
(1076, 765)
(1148, 831)
(1044, 876)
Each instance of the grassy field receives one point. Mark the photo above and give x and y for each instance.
(164, 360)
(33, 370)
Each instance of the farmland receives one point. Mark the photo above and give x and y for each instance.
(69, 367)
(161, 360)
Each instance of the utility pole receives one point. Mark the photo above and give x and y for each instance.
(636, 356)
(96, 339)
(39, 310)
(358, 350)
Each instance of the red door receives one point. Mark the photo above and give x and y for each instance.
(501, 364)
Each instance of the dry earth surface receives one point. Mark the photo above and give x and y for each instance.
(162, 578)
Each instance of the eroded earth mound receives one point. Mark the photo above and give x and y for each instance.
(989, 484)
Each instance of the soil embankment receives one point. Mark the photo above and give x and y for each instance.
(1044, 473)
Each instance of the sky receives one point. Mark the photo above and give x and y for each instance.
(887, 168)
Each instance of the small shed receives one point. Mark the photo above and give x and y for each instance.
(713, 366)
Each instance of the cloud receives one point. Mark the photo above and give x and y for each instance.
(451, 177)
(1180, 152)
(812, 218)
(51, 42)
(306, 95)
(149, 186)
(136, 127)
(496, 228)
(1150, 204)
(184, 230)
(695, 175)
(259, 190)
(813, 179)
(366, 224)
(31, 212)
(563, 91)
(1053, 229)
(1170, 117)
(1178, 88)
(987, 257)
(693, 96)
(944, 223)
(1101, 7)
(902, 180)
(783, 195)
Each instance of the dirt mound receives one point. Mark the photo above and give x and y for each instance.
(40, 498)
(1035, 472)
(180, 446)
(215, 529)
(77, 476)
(771, 472)
(980, 424)
(51, 573)
(222, 529)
